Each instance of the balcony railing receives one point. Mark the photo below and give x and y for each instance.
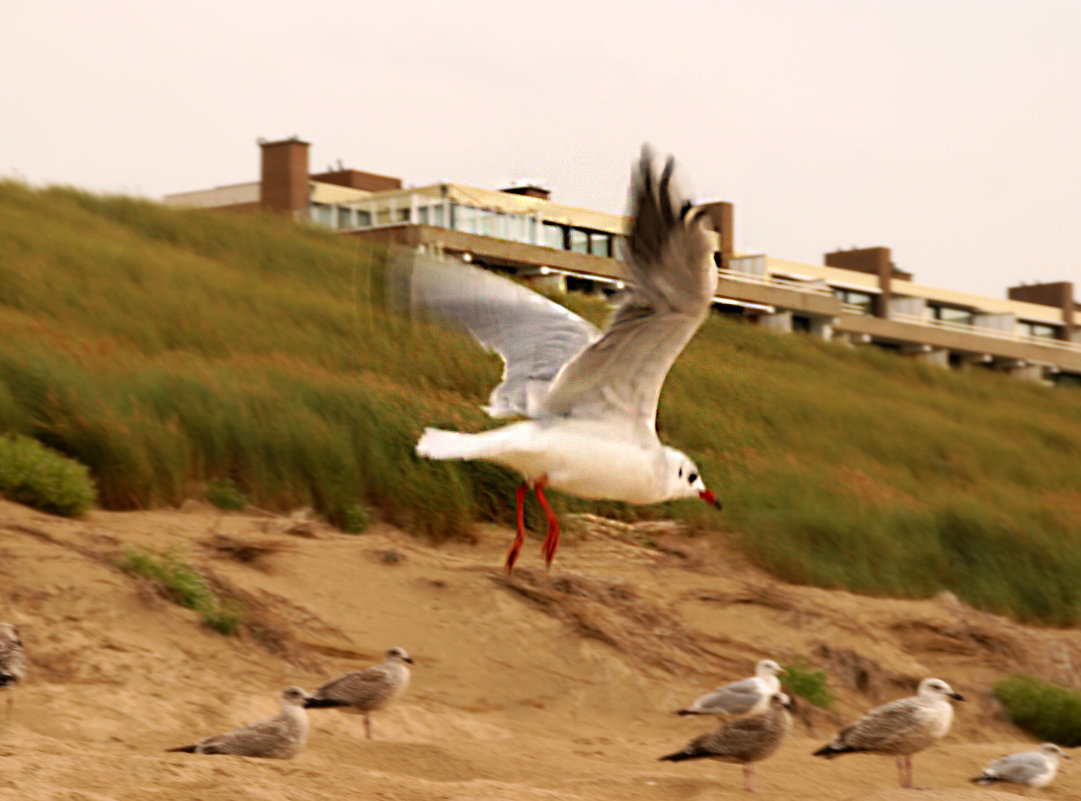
(967, 328)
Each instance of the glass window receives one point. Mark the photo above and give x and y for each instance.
(554, 236)
(600, 244)
(1039, 330)
(345, 217)
(435, 216)
(363, 218)
(579, 240)
(855, 298)
(322, 214)
(952, 314)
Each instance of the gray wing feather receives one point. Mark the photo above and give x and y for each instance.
(672, 281)
(1019, 768)
(534, 335)
(735, 698)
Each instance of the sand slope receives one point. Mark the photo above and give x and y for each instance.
(539, 686)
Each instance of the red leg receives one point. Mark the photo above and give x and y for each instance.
(516, 547)
(551, 542)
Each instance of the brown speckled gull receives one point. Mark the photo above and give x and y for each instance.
(279, 737)
(12, 661)
(899, 728)
(367, 690)
(743, 741)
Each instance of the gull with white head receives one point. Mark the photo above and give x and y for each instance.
(365, 691)
(280, 737)
(899, 728)
(591, 396)
(1031, 769)
(743, 697)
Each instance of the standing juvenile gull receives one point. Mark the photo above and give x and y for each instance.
(279, 737)
(899, 728)
(12, 661)
(1033, 769)
(366, 690)
(744, 741)
(592, 397)
(746, 696)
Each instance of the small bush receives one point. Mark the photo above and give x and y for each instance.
(355, 519)
(183, 584)
(225, 495)
(806, 682)
(1051, 712)
(40, 477)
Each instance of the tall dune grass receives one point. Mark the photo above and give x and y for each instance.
(169, 349)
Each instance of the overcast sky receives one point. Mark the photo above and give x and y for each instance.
(948, 130)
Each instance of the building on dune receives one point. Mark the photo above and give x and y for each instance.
(858, 296)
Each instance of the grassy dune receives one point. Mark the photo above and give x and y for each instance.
(168, 349)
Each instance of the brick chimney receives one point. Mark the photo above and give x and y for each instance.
(875, 261)
(283, 187)
(1058, 294)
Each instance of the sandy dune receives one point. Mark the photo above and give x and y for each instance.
(539, 686)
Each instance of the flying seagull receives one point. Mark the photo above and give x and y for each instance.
(591, 396)
(899, 728)
(366, 690)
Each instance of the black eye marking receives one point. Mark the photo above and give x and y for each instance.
(693, 477)
(681, 471)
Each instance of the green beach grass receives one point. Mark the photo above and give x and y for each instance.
(171, 351)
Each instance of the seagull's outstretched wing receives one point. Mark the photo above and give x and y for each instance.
(672, 280)
(534, 335)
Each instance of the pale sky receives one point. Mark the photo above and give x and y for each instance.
(947, 130)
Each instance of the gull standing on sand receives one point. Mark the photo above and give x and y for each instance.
(899, 728)
(746, 696)
(279, 737)
(744, 741)
(12, 661)
(367, 690)
(1032, 769)
(592, 397)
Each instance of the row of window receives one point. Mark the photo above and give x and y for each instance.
(471, 220)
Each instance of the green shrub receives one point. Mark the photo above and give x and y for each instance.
(1051, 712)
(355, 519)
(225, 495)
(166, 348)
(40, 477)
(803, 680)
(183, 584)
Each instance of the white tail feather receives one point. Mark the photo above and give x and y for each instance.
(438, 444)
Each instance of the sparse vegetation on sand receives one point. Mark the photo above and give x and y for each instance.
(1050, 711)
(183, 584)
(167, 349)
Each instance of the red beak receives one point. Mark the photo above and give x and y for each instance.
(709, 498)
